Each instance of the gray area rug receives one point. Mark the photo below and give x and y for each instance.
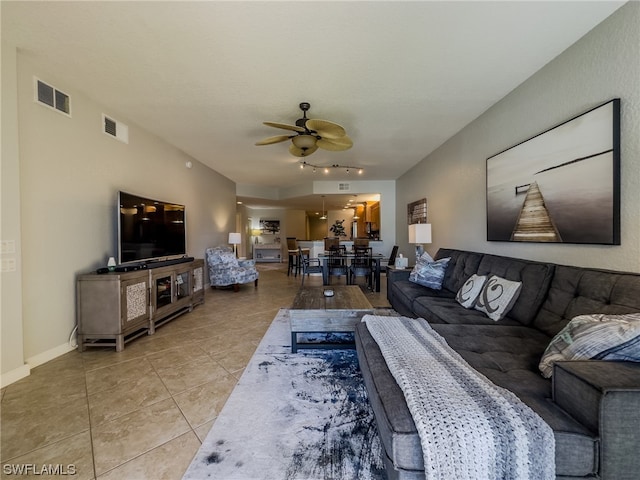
(293, 416)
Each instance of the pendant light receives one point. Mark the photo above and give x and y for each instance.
(324, 216)
(355, 210)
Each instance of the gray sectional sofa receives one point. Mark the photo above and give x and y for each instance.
(592, 406)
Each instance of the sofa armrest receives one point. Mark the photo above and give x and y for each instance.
(605, 397)
(394, 275)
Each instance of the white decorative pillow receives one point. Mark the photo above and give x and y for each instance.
(598, 336)
(497, 297)
(469, 292)
(429, 273)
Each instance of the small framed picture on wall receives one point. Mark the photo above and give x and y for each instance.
(270, 226)
(417, 212)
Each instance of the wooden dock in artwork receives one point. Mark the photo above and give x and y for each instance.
(534, 223)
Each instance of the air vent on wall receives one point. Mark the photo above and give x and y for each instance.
(52, 97)
(343, 187)
(115, 129)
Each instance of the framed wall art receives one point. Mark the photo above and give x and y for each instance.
(270, 226)
(417, 211)
(562, 185)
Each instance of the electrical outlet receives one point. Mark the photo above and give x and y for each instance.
(8, 246)
(8, 265)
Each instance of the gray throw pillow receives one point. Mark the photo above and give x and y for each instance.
(429, 273)
(497, 297)
(597, 336)
(469, 292)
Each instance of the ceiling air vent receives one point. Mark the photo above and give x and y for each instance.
(343, 187)
(52, 97)
(115, 129)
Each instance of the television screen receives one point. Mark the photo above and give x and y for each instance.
(149, 229)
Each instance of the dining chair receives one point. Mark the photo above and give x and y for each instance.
(392, 258)
(360, 242)
(337, 263)
(361, 266)
(331, 242)
(308, 265)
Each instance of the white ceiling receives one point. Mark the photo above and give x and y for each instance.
(401, 77)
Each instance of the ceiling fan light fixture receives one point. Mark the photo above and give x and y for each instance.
(311, 134)
(304, 141)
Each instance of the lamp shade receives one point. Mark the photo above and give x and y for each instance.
(420, 233)
(234, 239)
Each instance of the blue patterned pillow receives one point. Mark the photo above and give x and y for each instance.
(429, 273)
(597, 336)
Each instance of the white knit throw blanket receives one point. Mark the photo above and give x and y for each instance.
(469, 427)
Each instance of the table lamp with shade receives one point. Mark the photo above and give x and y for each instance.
(235, 240)
(419, 234)
(256, 232)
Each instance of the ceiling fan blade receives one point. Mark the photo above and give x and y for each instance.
(335, 145)
(286, 126)
(271, 140)
(299, 152)
(325, 128)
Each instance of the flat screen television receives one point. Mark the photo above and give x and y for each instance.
(149, 229)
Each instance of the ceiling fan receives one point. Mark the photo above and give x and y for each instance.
(310, 135)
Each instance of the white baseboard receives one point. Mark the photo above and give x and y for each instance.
(14, 375)
(32, 362)
(44, 357)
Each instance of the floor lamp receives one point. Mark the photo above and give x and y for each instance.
(419, 234)
(235, 240)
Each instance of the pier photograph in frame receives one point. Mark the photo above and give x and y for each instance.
(560, 186)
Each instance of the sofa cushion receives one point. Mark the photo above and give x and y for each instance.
(581, 291)
(497, 297)
(428, 272)
(508, 356)
(598, 336)
(535, 278)
(404, 293)
(447, 310)
(461, 266)
(470, 291)
(576, 447)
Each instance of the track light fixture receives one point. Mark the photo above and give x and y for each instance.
(326, 169)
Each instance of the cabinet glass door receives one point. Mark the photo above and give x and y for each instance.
(163, 291)
(182, 284)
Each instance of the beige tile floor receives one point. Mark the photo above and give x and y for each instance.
(144, 412)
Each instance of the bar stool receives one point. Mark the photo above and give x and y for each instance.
(292, 250)
(295, 263)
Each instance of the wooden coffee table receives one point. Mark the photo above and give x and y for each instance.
(312, 312)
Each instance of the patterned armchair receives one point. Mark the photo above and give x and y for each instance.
(225, 269)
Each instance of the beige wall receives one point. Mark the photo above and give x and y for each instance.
(70, 173)
(295, 223)
(602, 65)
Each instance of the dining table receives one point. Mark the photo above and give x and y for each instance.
(376, 259)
